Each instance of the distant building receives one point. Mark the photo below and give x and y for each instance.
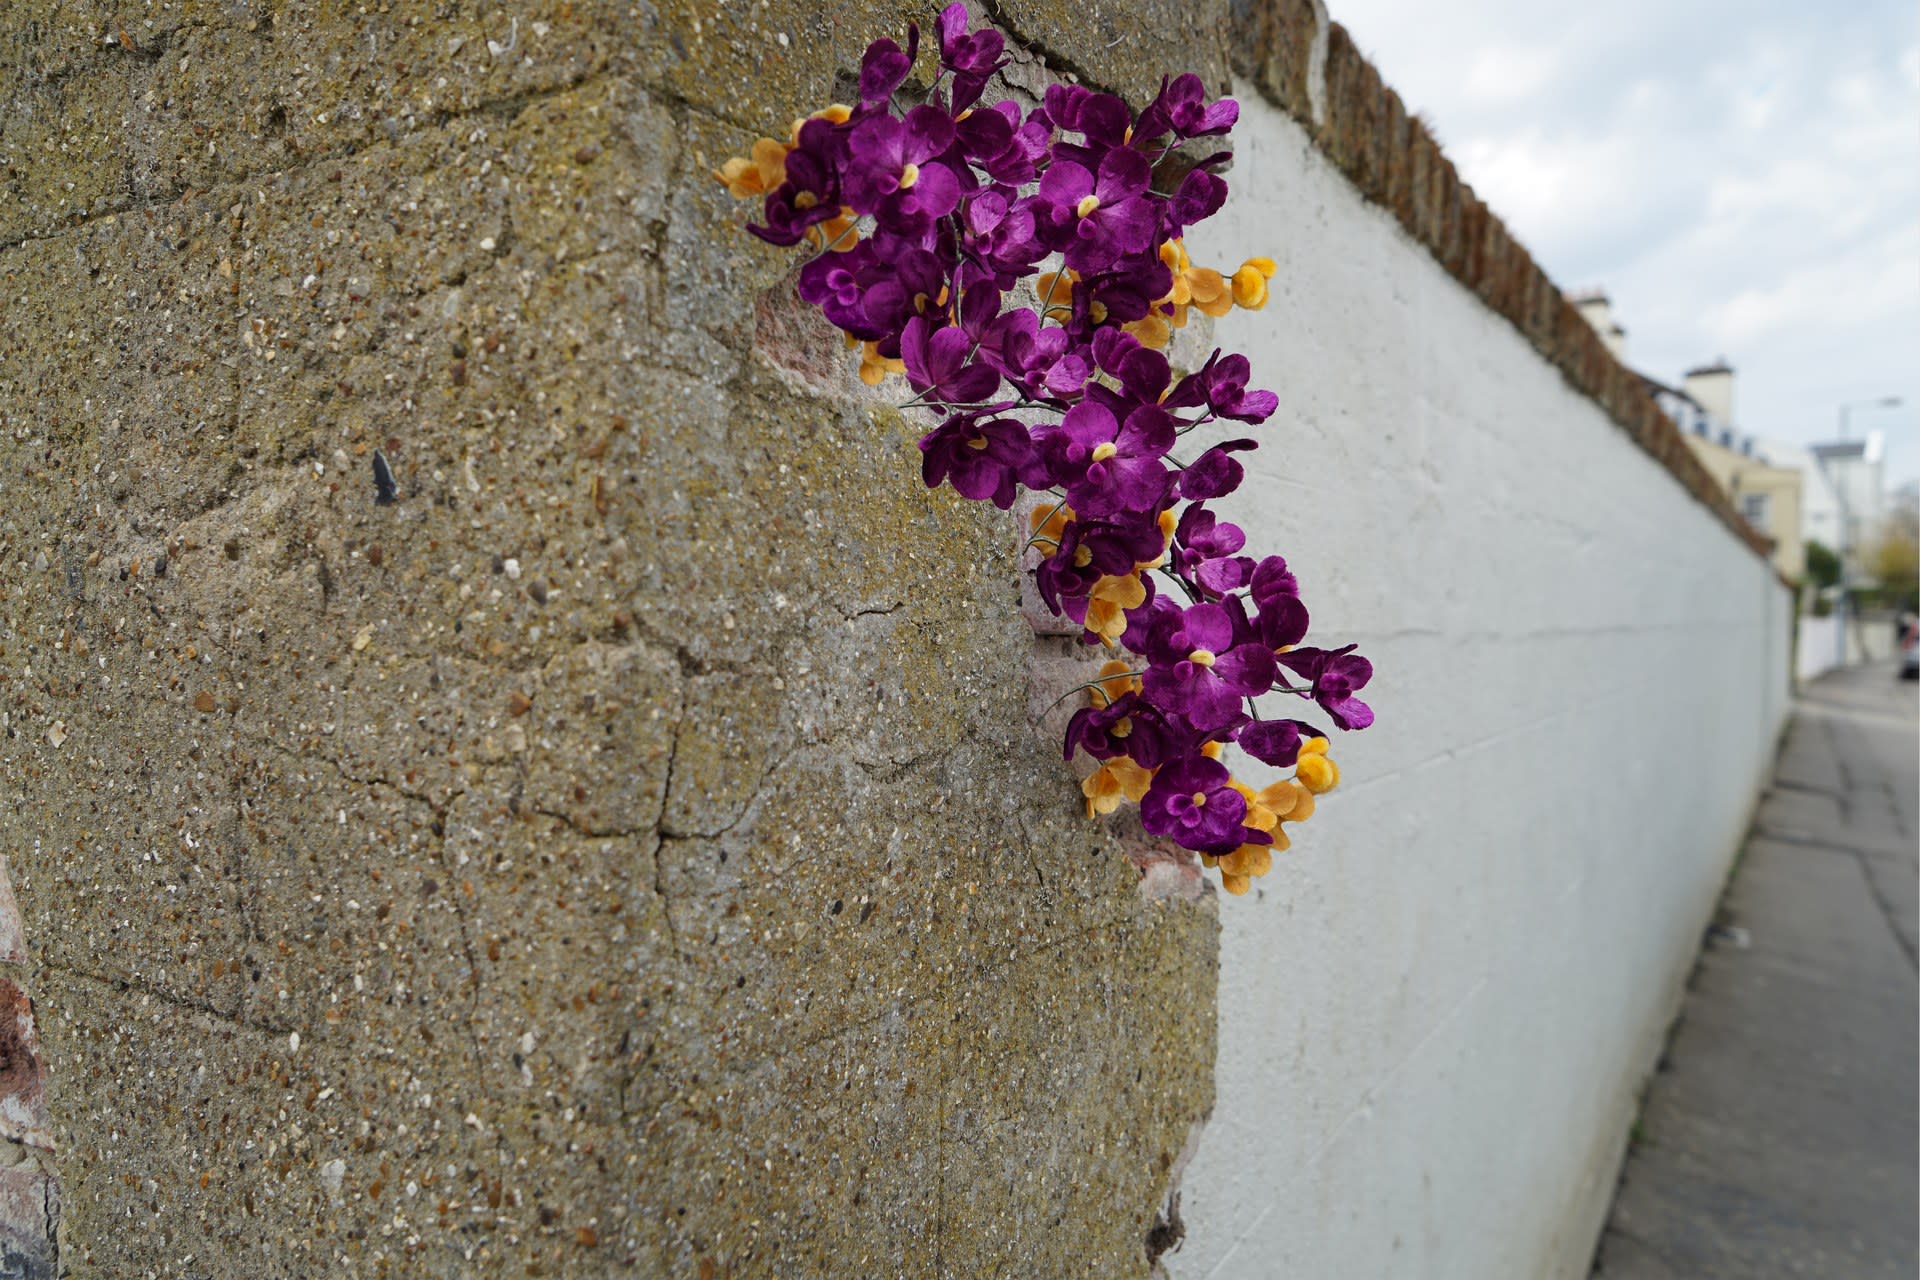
(1857, 471)
(1819, 504)
(1783, 492)
(1768, 497)
(1597, 310)
(1767, 494)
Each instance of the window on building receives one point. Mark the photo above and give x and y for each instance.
(1753, 506)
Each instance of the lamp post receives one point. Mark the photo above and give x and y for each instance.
(1884, 402)
(1846, 519)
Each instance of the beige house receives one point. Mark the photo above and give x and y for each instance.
(1771, 497)
(1768, 496)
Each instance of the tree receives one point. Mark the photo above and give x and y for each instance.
(1894, 559)
(1823, 566)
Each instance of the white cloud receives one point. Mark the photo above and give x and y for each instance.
(1504, 73)
(1869, 288)
(1741, 175)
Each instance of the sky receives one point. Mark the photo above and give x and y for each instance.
(1741, 178)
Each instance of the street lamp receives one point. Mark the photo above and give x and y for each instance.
(1885, 402)
(1846, 517)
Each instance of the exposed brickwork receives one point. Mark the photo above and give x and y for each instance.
(29, 1192)
(1363, 127)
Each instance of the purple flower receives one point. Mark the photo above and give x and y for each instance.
(1001, 235)
(996, 141)
(937, 365)
(1214, 474)
(1141, 372)
(1090, 550)
(982, 460)
(1191, 802)
(1336, 674)
(1276, 742)
(1124, 293)
(892, 171)
(873, 289)
(811, 192)
(1096, 217)
(1100, 117)
(972, 58)
(1038, 359)
(1199, 668)
(1129, 726)
(884, 67)
(1045, 361)
(1106, 465)
(1221, 385)
(1198, 198)
(1204, 552)
(1281, 617)
(1182, 110)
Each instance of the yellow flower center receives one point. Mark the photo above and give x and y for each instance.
(1082, 557)
(1201, 657)
(1087, 205)
(1199, 799)
(976, 442)
(909, 176)
(1104, 450)
(1123, 727)
(805, 200)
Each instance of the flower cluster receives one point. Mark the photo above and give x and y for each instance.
(1024, 269)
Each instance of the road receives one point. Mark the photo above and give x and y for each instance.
(1779, 1136)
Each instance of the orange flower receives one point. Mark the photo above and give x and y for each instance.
(1117, 779)
(1115, 682)
(1112, 596)
(1250, 283)
(762, 172)
(1313, 769)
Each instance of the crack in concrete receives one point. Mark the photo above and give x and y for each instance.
(1880, 900)
(747, 810)
(239, 182)
(179, 1000)
(1059, 63)
(660, 842)
(892, 608)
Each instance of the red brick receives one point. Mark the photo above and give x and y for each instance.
(1272, 46)
(23, 1095)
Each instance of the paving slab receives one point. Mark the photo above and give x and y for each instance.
(1779, 1136)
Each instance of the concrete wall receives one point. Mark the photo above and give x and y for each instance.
(1818, 648)
(627, 853)
(1824, 644)
(1434, 1019)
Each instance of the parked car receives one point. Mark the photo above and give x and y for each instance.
(1910, 652)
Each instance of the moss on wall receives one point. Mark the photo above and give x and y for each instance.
(625, 854)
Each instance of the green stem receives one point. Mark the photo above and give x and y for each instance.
(1092, 684)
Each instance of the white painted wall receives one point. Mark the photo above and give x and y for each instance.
(1819, 647)
(1435, 1013)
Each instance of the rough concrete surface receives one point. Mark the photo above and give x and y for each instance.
(627, 853)
(1778, 1138)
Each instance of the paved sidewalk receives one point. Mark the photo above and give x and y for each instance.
(1779, 1136)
